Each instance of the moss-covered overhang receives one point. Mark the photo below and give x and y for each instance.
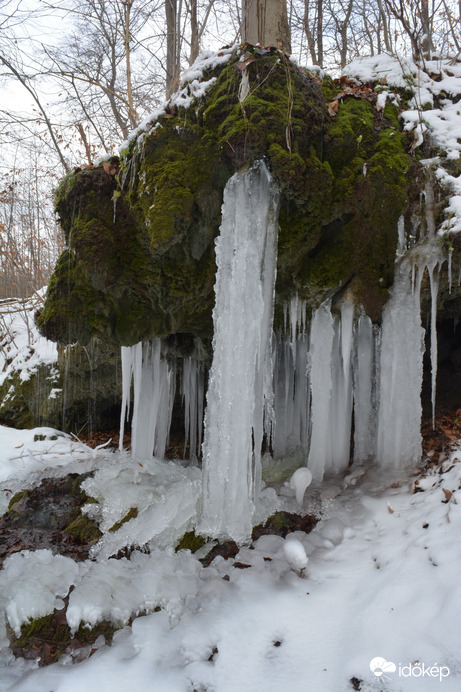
(140, 233)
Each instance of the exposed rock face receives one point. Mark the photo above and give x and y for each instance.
(140, 237)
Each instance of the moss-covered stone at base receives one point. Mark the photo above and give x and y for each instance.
(132, 514)
(190, 541)
(17, 498)
(283, 523)
(49, 637)
(84, 529)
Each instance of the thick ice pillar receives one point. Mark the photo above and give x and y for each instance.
(246, 252)
(401, 373)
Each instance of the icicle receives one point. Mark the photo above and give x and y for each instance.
(364, 395)
(244, 88)
(340, 414)
(429, 208)
(291, 384)
(242, 318)
(322, 335)
(434, 274)
(127, 365)
(402, 245)
(449, 269)
(153, 396)
(401, 370)
(192, 390)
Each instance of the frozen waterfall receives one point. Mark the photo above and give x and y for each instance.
(324, 390)
(239, 386)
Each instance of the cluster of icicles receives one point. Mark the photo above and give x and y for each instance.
(304, 390)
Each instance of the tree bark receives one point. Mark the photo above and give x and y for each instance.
(265, 22)
(172, 72)
(194, 32)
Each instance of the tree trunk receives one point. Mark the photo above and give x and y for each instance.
(172, 72)
(320, 33)
(194, 32)
(426, 28)
(265, 23)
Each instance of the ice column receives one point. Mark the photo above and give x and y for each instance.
(238, 380)
(154, 390)
(291, 384)
(340, 416)
(365, 386)
(192, 390)
(402, 349)
(322, 336)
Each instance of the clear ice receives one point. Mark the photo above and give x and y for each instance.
(246, 254)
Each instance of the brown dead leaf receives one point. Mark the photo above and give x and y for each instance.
(243, 64)
(448, 494)
(109, 168)
(390, 510)
(449, 432)
(333, 108)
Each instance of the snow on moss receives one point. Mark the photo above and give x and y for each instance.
(429, 96)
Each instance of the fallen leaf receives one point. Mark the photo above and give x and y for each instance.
(448, 494)
(242, 65)
(109, 168)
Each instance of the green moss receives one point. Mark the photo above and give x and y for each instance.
(348, 139)
(84, 529)
(391, 113)
(17, 498)
(149, 269)
(44, 628)
(329, 88)
(132, 514)
(52, 634)
(190, 541)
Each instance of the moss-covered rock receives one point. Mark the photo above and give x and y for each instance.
(140, 237)
(49, 637)
(190, 541)
(84, 529)
(131, 514)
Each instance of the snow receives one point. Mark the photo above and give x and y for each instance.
(33, 598)
(376, 578)
(300, 480)
(295, 554)
(23, 452)
(191, 87)
(22, 348)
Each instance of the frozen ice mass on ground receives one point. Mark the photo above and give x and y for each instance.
(377, 577)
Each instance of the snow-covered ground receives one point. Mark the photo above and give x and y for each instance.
(381, 581)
